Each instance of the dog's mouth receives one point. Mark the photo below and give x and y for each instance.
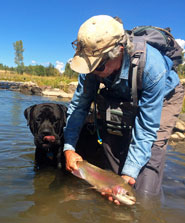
(48, 140)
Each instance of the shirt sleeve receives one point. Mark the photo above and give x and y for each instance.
(78, 109)
(147, 121)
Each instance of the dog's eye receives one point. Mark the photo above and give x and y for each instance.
(56, 123)
(38, 120)
(57, 126)
(54, 120)
(57, 120)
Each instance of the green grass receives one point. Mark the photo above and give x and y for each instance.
(42, 81)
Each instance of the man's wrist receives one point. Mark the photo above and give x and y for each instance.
(131, 169)
(68, 147)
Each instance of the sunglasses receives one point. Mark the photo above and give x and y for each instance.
(101, 66)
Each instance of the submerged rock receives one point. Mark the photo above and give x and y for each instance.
(177, 136)
(179, 130)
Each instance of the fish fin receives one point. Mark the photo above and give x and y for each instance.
(78, 173)
(92, 187)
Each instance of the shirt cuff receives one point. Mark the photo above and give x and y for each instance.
(68, 147)
(131, 169)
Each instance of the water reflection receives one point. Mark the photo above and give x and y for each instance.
(49, 196)
(68, 199)
(16, 109)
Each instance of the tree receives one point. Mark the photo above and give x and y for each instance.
(18, 47)
(52, 71)
(69, 72)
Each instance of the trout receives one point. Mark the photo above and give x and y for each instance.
(103, 179)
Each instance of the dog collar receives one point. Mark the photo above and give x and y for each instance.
(50, 155)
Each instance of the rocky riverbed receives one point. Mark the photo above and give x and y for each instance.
(31, 88)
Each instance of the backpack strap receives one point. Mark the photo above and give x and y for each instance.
(138, 59)
(134, 86)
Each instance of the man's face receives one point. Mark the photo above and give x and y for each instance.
(110, 67)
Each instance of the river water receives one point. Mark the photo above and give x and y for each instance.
(47, 196)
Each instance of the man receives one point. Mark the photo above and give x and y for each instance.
(103, 52)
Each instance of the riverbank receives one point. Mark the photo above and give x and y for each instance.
(31, 88)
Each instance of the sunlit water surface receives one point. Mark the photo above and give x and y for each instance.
(48, 196)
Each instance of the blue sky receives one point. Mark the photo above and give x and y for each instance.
(47, 27)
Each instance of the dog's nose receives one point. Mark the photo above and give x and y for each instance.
(46, 132)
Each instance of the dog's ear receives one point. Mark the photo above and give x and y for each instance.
(63, 108)
(27, 113)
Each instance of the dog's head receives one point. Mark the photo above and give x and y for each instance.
(46, 122)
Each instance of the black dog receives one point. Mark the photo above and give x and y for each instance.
(46, 122)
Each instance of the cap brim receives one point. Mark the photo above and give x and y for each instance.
(85, 64)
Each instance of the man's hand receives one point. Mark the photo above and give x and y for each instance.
(129, 179)
(71, 159)
(106, 193)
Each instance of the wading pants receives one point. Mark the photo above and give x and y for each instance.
(115, 148)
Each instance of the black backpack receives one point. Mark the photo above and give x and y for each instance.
(157, 37)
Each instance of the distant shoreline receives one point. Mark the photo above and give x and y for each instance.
(31, 88)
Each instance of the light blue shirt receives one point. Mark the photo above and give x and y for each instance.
(158, 80)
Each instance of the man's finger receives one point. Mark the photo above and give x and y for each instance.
(116, 202)
(110, 198)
